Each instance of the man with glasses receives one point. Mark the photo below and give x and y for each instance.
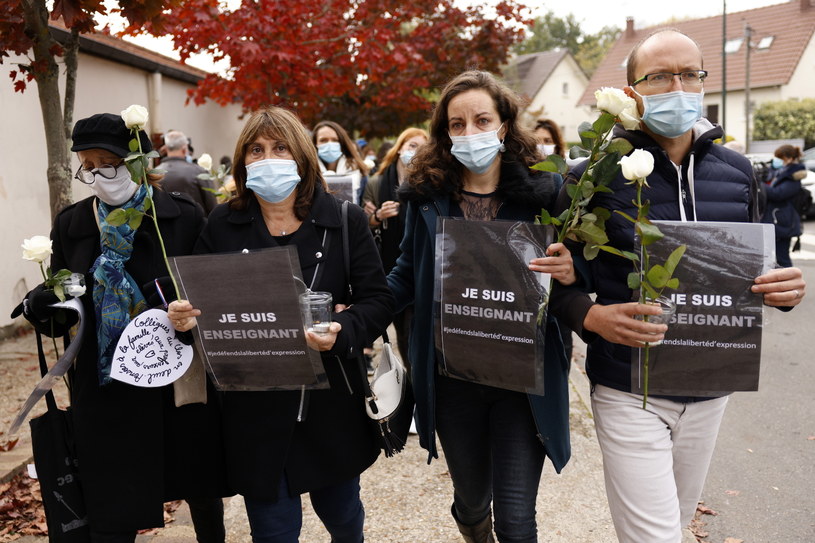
(656, 459)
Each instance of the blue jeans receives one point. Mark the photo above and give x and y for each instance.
(338, 506)
(493, 454)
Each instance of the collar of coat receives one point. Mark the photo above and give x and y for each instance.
(704, 132)
(324, 211)
(83, 221)
(518, 185)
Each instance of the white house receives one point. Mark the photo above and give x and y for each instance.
(781, 67)
(112, 75)
(552, 82)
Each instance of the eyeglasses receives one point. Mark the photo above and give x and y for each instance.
(663, 80)
(86, 176)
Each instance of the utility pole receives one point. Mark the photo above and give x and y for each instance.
(748, 34)
(724, 68)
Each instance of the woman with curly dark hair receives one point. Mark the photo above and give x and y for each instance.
(476, 167)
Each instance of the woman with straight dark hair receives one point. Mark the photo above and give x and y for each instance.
(339, 155)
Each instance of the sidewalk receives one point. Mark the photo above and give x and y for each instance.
(406, 500)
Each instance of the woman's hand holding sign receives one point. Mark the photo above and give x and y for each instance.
(558, 264)
(182, 314)
(618, 323)
(782, 287)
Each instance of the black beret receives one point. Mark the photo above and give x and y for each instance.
(106, 131)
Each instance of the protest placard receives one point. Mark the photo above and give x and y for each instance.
(488, 302)
(250, 331)
(713, 343)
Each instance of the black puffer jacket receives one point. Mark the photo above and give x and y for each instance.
(712, 184)
(780, 195)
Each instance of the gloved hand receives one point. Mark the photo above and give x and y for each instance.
(36, 308)
(151, 294)
(185, 337)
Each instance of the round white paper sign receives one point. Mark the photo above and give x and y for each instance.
(148, 353)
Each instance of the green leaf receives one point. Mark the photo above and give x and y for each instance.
(649, 291)
(658, 276)
(156, 171)
(545, 166)
(592, 233)
(587, 189)
(673, 260)
(133, 145)
(673, 283)
(606, 168)
(578, 152)
(152, 154)
(633, 280)
(59, 291)
(206, 177)
(649, 233)
(117, 217)
(136, 168)
(62, 275)
(603, 123)
(148, 204)
(571, 190)
(545, 217)
(135, 219)
(562, 167)
(602, 213)
(612, 250)
(619, 145)
(590, 252)
(625, 215)
(602, 188)
(631, 256)
(585, 126)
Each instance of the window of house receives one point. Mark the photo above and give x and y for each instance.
(765, 42)
(712, 113)
(731, 46)
(566, 88)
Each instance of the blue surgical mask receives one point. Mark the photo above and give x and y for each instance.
(329, 152)
(671, 114)
(407, 155)
(778, 163)
(477, 151)
(272, 179)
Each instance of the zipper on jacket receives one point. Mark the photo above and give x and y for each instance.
(344, 376)
(302, 404)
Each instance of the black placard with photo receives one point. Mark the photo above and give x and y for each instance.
(250, 333)
(488, 302)
(713, 343)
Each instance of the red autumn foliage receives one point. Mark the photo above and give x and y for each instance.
(371, 65)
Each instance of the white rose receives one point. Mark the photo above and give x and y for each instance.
(205, 161)
(613, 101)
(630, 116)
(637, 165)
(37, 248)
(135, 116)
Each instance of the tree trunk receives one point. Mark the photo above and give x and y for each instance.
(46, 74)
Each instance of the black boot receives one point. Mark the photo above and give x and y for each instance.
(480, 532)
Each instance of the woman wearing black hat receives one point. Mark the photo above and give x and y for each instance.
(137, 447)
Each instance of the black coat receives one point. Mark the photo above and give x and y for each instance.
(136, 450)
(780, 195)
(335, 441)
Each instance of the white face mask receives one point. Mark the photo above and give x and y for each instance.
(477, 151)
(407, 155)
(546, 149)
(114, 191)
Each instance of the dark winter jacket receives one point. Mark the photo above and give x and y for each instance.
(523, 193)
(182, 176)
(335, 440)
(136, 450)
(713, 183)
(780, 195)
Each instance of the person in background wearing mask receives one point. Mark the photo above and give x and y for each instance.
(182, 174)
(339, 155)
(386, 216)
(476, 167)
(550, 139)
(656, 459)
(781, 192)
(137, 447)
(281, 444)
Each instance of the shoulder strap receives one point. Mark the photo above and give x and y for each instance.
(346, 253)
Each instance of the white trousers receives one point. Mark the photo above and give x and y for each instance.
(655, 461)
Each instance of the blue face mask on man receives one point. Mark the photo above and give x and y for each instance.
(671, 114)
(272, 179)
(329, 152)
(477, 151)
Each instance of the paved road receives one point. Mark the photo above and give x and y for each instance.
(762, 480)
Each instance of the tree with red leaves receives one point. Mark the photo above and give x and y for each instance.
(371, 65)
(24, 30)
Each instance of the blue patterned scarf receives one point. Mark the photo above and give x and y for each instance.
(116, 296)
